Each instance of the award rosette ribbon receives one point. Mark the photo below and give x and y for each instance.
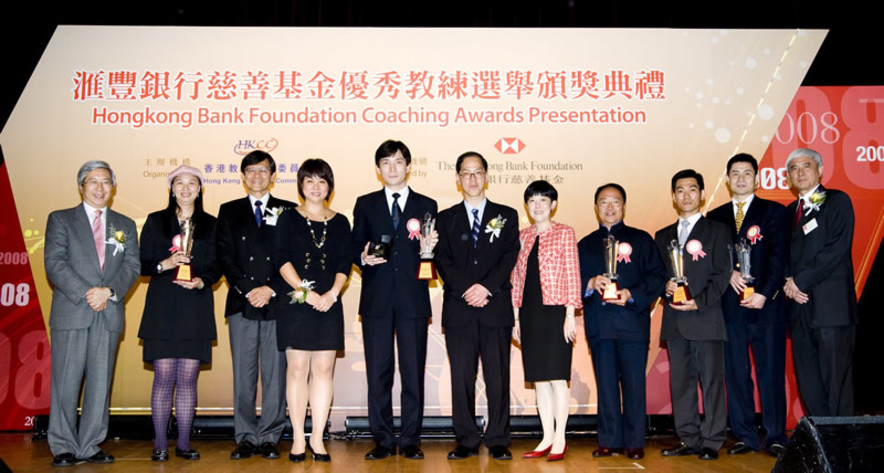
(612, 256)
(681, 294)
(426, 270)
(744, 263)
(183, 242)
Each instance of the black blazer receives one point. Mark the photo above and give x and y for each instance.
(396, 280)
(821, 260)
(244, 253)
(708, 278)
(769, 255)
(489, 264)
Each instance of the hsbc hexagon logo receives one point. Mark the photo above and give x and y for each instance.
(509, 145)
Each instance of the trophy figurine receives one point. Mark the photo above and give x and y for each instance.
(185, 245)
(611, 252)
(427, 270)
(681, 294)
(744, 264)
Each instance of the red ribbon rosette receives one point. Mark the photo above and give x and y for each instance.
(414, 228)
(623, 252)
(695, 248)
(754, 233)
(176, 244)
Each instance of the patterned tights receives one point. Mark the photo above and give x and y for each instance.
(178, 375)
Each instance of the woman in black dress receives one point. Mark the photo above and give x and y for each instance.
(312, 254)
(178, 325)
(546, 292)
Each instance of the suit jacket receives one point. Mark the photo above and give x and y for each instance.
(72, 266)
(394, 282)
(489, 264)
(821, 262)
(244, 253)
(769, 224)
(708, 277)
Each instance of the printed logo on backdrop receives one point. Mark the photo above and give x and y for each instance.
(246, 146)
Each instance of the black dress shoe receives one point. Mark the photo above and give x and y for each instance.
(66, 459)
(606, 452)
(99, 457)
(412, 452)
(739, 448)
(268, 450)
(160, 455)
(462, 452)
(379, 453)
(635, 453)
(189, 454)
(243, 451)
(319, 457)
(679, 450)
(297, 457)
(708, 454)
(499, 452)
(776, 449)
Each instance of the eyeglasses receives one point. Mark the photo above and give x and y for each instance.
(472, 174)
(257, 170)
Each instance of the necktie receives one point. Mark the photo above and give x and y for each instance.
(396, 210)
(259, 215)
(683, 232)
(740, 215)
(800, 210)
(475, 227)
(98, 236)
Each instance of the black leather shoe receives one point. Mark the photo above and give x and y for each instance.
(635, 453)
(189, 454)
(679, 450)
(243, 451)
(297, 457)
(66, 459)
(776, 450)
(268, 450)
(499, 452)
(412, 452)
(160, 455)
(462, 452)
(708, 454)
(606, 452)
(739, 448)
(379, 453)
(99, 457)
(319, 457)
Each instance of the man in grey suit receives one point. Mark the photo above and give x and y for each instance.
(91, 258)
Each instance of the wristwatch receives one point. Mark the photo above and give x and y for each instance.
(159, 268)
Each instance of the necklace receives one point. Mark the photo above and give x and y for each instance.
(318, 244)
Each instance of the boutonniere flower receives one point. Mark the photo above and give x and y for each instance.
(494, 227)
(816, 200)
(299, 295)
(118, 238)
(272, 215)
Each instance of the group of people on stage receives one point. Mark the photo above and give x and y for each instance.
(723, 280)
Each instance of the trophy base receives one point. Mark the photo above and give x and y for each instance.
(682, 294)
(747, 293)
(183, 273)
(426, 271)
(610, 292)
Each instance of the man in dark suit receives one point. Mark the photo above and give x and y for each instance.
(91, 259)
(478, 247)
(694, 330)
(820, 283)
(618, 331)
(393, 303)
(246, 228)
(757, 320)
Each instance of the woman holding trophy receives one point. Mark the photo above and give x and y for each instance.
(546, 292)
(312, 255)
(178, 325)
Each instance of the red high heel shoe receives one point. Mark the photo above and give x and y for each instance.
(554, 457)
(537, 453)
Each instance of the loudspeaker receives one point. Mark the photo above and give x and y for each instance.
(834, 444)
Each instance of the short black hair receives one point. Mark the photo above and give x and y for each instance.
(470, 154)
(687, 174)
(389, 148)
(256, 157)
(541, 188)
(610, 185)
(316, 167)
(742, 158)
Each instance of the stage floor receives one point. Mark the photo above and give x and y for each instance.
(22, 454)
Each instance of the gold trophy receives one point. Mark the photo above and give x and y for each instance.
(612, 247)
(681, 294)
(426, 270)
(185, 245)
(744, 264)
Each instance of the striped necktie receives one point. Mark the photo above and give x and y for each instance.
(475, 228)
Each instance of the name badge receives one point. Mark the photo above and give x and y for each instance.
(810, 226)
